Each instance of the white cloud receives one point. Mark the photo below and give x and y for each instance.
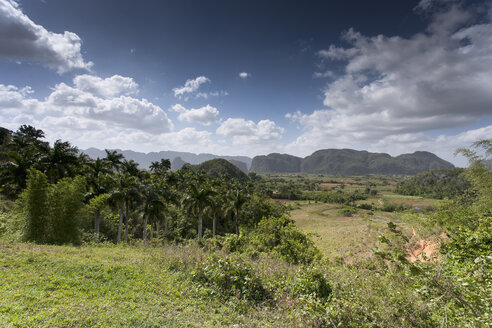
(244, 75)
(246, 132)
(394, 87)
(71, 106)
(109, 87)
(323, 74)
(442, 145)
(23, 40)
(190, 86)
(205, 115)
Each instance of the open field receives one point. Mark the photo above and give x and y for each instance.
(64, 286)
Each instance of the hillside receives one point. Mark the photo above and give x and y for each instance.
(435, 184)
(276, 163)
(220, 167)
(349, 162)
(177, 163)
(144, 159)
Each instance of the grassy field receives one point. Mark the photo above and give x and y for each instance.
(351, 238)
(64, 286)
(339, 236)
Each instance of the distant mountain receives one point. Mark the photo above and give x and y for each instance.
(325, 161)
(276, 163)
(145, 159)
(240, 165)
(349, 162)
(221, 167)
(177, 163)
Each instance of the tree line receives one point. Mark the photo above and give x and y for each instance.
(64, 196)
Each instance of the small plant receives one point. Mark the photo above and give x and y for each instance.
(231, 277)
(348, 211)
(310, 282)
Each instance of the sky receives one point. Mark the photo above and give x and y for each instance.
(250, 77)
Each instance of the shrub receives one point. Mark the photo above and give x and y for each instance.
(310, 282)
(282, 238)
(34, 201)
(65, 205)
(52, 213)
(348, 210)
(230, 277)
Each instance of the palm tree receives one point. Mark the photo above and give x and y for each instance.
(117, 200)
(154, 205)
(237, 200)
(60, 160)
(160, 168)
(198, 199)
(125, 191)
(114, 158)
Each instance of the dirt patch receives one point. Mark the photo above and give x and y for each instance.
(428, 247)
(407, 202)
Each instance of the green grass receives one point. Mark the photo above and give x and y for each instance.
(351, 238)
(64, 286)
(340, 237)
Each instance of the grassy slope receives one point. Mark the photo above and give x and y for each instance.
(339, 237)
(63, 286)
(352, 238)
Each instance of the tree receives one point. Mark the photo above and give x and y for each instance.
(66, 200)
(96, 204)
(160, 168)
(52, 212)
(20, 151)
(131, 188)
(60, 161)
(113, 157)
(199, 197)
(237, 199)
(154, 205)
(35, 203)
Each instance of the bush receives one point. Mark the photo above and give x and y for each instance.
(34, 201)
(230, 277)
(310, 282)
(348, 210)
(282, 238)
(52, 213)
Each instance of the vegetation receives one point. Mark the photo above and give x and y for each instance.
(220, 167)
(349, 162)
(439, 184)
(276, 163)
(193, 248)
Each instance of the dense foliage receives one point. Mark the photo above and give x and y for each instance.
(439, 184)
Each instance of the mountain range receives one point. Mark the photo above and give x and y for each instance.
(325, 161)
(349, 162)
(179, 158)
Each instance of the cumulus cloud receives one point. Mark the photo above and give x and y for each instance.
(190, 86)
(88, 119)
(108, 87)
(244, 75)
(85, 102)
(205, 115)
(22, 39)
(246, 132)
(442, 145)
(394, 86)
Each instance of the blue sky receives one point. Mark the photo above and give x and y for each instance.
(250, 77)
